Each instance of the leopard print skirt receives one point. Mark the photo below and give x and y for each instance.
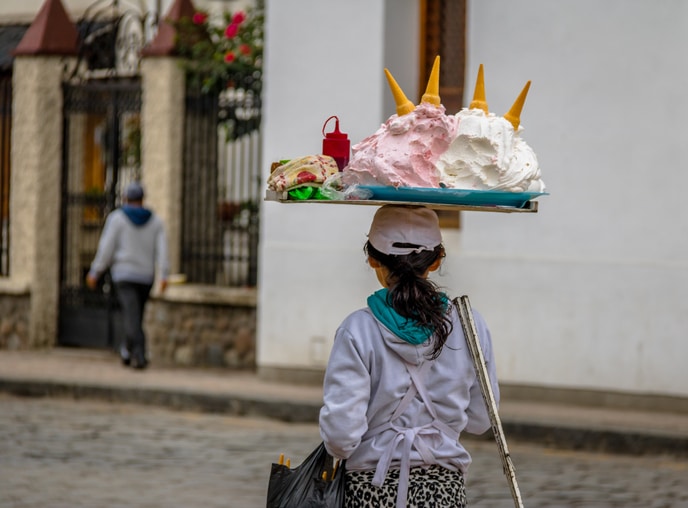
(429, 487)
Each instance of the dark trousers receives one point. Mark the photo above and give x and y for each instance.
(132, 298)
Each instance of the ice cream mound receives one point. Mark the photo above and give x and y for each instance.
(422, 146)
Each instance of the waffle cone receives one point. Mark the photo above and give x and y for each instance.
(514, 114)
(479, 101)
(404, 105)
(432, 91)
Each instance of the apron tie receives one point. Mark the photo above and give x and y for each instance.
(407, 438)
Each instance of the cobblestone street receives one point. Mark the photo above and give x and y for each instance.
(65, 453)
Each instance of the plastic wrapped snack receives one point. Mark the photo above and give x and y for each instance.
(308, 170)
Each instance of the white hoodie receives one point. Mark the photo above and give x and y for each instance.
(366, 378)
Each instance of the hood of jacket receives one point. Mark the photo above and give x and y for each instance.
(411, 353)
(138, 215)
(401, 327)
(404, 328)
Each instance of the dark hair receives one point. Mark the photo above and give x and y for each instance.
(412, 295)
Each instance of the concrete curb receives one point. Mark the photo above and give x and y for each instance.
(550, 434)
(597, 440)
(287, 411)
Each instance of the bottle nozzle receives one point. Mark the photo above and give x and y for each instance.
(335, 134)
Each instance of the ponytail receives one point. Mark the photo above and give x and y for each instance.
(412, 295)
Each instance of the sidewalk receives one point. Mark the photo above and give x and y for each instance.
(93, 374)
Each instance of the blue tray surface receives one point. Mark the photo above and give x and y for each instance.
(451, 196)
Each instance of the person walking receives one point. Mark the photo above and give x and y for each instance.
(133, 245)
(400, 385)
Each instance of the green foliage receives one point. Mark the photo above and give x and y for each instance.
(222, 53)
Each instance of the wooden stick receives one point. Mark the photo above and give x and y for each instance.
(471, 334)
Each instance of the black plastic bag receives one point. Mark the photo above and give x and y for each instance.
(304, 487)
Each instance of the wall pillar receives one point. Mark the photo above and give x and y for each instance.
(162, 141)
(36, 183)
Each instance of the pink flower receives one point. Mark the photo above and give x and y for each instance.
(238, 18)
(199, 18)
(231, 30)
(230, 56)
(245, 49)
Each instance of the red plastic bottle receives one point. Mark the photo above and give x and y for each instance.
(336, 144)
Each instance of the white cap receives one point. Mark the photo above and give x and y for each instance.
(401, 230)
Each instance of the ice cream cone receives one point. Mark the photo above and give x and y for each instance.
(478, 101)
(514, 114)
(432, 91)
(404, 105)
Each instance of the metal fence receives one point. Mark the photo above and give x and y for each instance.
(100, 157)
(5, 145)
(221, 185)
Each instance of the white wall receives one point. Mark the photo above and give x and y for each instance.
(590, 292)
(312, 268)
(587, 293)
(24, 11)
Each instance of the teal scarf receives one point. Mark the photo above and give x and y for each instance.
(404, 328)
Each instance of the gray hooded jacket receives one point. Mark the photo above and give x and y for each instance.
(369, 373)
(133, 242)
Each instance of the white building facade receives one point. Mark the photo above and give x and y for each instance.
(587, 295)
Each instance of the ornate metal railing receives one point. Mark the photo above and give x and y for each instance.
(112, 34)
(222, 186)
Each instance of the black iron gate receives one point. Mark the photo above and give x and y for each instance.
(222, 184)
(101, 155)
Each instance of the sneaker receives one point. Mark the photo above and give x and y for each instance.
(125, 356)
(138, 360)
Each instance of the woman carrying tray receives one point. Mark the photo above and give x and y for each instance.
(400, 386)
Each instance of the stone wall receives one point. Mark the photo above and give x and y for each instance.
(199, 327)
(190, 327)
(14, 321)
